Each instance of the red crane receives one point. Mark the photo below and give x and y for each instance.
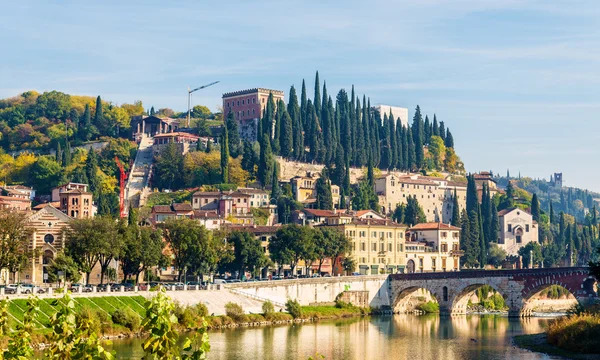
(122, 178)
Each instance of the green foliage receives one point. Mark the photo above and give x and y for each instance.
(168, 168)
(162, 198)
(64, 263)
(20, 344)
(294, 308)
(261, 216)
(247, 253)
(413, 213)
(268, 308)
(127, 318)
(159, 323)
(429, 307)
(234, 311)
(578, 333)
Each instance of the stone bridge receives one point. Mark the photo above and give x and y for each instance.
(518, 287)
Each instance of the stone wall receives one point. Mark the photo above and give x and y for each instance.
(289, 169)
(356, 298)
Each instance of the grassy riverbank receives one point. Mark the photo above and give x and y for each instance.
(539, 343)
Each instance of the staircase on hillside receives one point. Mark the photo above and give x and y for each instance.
(136, 189)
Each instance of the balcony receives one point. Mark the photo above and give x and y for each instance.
(457, 253)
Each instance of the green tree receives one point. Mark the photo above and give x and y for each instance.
(291, 244)
(15, 236)
(168, 168)
(330, 243)
(455, 208)
(265, 164)
(496, 255)
(250, 158)
(91, 172)
(535, 207)
(398, 214)
(437, 150)
(526, 252)
(413, 214)
(225, 156)
(248, 253)
(275, 188)
(323, 191)
(233, 135)
(63, 263)
(45, 174)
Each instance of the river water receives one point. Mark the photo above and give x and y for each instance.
(485, 337)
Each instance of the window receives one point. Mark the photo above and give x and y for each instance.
(444, 247)
(421, 262)
(509, 227)
(444, 234)
(238, 103)
(399, 247)
(374, 247)
(526, 227)
(254, 100)
(433, 263)
(382, 247)
(519, 239)
(362, 247)
(445, 293)
(243, 101)
(390, 247)
(49, 238)
(374, 234)
(228, 104)
(444, 264)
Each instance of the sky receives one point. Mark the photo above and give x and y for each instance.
(515, 81)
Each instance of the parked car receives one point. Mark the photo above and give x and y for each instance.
(178, 286)
(128, 287)
(219, 281)
(27, 288)
(10, 289)
(101, 288)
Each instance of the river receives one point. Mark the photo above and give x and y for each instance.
(486, 337)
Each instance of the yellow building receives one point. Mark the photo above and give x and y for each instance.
(377, 245)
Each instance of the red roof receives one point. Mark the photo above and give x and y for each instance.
(182, 207)
(434, 226)
(255, 229)
(326, 213)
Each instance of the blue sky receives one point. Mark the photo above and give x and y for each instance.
(516, 81)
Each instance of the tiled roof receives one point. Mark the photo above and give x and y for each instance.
(207, 193)
(13, 199)
(252, 191)
(182, 207)
(326, 213)
(506, 211)
(434, 226)
(55, 204)
(162, 209)
(209, 214)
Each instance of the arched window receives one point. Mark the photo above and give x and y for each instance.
(47, 258)
(48, 238)
(410, 267)
(445, 293)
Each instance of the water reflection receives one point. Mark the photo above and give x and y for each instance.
(398, 337)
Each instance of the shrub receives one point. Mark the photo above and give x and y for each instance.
(226, 320)
(268, 308)
(234, 311)
(499, 303)
(344, 305)
(186, 315)
(293, 308)
(126, 317)
(578, 333)
(98, 320)
(255, 318)
(429, 307)
(201, 310)
(279, 316)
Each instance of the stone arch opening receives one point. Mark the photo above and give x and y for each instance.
(555, 296)
(478, 295)
(409, 299)
(445, 293)
(410, 266)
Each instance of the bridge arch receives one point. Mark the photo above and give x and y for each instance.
(405, 300)
(580, 290)
(461, 296)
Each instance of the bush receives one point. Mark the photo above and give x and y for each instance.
(126, 317)
(499, 303)
(268, 308)
(293, 308)
(97, 319)
(253, 318)
(234, 311)
(578, 333)
(429, 307)
(201, 310)
(186, 315)
(279, 316)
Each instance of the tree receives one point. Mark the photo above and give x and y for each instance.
(45, 174)
(532, 248)
(250, 158)
(286, 138)
(248, 253)
(142, 251)
(15, 237)
(168, 168)
(437, 151)
(398, 214)
(291, 244)
(535, 208)
(233, 135)
(455, 208)
(64, 264)
(418, 135)
(225, 156)
(275, 189)
(188, 241)
(496, 255)
(99, 120)
(91, 172)
(323, 191)
(84, 243)
(265, 164)
(111, 243)
(413, 214)
(200, 112)
(329, 243)
(474, 239)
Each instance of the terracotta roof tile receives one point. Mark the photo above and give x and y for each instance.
(434, 226)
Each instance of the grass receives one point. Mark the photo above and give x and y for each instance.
(578, 333)
(161, 198)
(332, 312)
(539, 343)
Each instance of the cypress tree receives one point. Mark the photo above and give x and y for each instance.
(360, 138)
(249, 158)
(455, 210)
(225, 156)
(67, 155)
(353, 126)
(276, 143)
(323, 193)
(495, 225)
(99, 115)
(152, 112)
(418, 138)
(411, 163)
(338, 173)
(551, 213)
(317, 98)
(427, 130)
(482, 242)
(91, 171)
(472, 200)
(85, 132)
(393, 149)
(449, 141)
(297, 138)
(268, 118)
(442, 131)
(315, 140)
(275, 189)
(59, 153)
(326, 124)
(399, 144)
(386, 155)
(233, 134)
(474, 240)
(208, 145)
(286, 141)
(465, 238)
(303, 103)
(366, 132)
(265, 164)
(435, 128)
(346, 182)
(535, 208)
(344, 121)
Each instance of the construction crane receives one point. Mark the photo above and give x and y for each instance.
(190, 99)
(122, 188)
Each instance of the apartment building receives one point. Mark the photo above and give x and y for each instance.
(433, 247)
(304, 189)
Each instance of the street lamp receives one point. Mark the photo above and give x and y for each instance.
(190, 99)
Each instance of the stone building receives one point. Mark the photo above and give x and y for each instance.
(66, 187)
(14, 203)
(231, 205)
(433, 247)
(19, 191)
(183, 141)
(435, 195)
(153, 125)
(397, 112)
(248, 107)
(47, 225)
(517, 229)
(304, 189)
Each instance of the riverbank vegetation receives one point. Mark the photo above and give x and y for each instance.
(488, 299)
(429, 307)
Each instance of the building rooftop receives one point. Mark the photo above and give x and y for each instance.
(208, 214)
(434, 226)
(176, 134)
(506, 211)
(255, 229)
(182, 207)
(252, 91)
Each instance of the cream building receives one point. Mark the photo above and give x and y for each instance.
(304, 189)
(433, 247)
(435, 195)
(377, 245)
(517, 229)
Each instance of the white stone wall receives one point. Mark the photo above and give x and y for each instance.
(520, 221)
